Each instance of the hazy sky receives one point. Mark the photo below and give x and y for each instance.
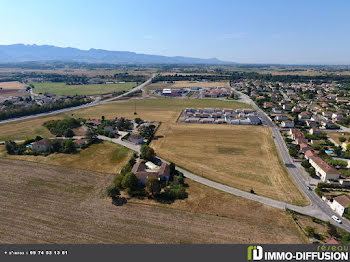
(246, 31)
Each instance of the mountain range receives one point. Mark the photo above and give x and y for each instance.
(36, 53)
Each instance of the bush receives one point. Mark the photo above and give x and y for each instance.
(319, 192)
(113, 191)
(306, 164)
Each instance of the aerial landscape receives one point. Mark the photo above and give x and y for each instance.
(237, 138)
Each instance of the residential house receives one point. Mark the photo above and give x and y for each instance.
(287, 124)
(309, 153)
(136, 139)
(323, 169)
(315, 131)
(303, 116)
(146, 170)
(340, 204)
(281, 117)
(42, 145)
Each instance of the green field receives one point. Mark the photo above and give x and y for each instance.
(65, 90)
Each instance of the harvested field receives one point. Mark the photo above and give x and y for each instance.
(244, 157)
(61, 205)
(12, 85)
(105, 157)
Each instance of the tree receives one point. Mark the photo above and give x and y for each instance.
(138, 120)
(147, 153)
(11, 147)
(153, 186)
(69, 147)
(130, 181)
(172, 168)
(342, 139)
(91, 135)
(69, 133)
(118, 181)
(126, 169)
(55, 146)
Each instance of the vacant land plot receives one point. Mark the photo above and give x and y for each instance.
(244, 157)
(64, 89)
(335, 136)
(105, 157)
(163, 109)
(62, 205)
(12, 85)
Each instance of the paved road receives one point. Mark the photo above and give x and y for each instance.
(96, 103)
(317, 204)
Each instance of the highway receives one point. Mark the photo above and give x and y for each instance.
(316, 202)
(96, 103)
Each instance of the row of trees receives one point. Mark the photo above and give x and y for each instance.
(37, 109)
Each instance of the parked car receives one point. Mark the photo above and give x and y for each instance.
(335, 218)
(309, 188)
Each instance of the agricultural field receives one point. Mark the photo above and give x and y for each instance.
(13, 88)
(12, 85)
(94, 89)
(105, 157)
(184, 84)
(243, 157)
(61, 205)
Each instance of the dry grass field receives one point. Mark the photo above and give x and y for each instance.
(105, 157)
(12, 85)
(26, 128)
(49, 204)
(244, 157)
(335, 136)
(91, 89)
(162, 109)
